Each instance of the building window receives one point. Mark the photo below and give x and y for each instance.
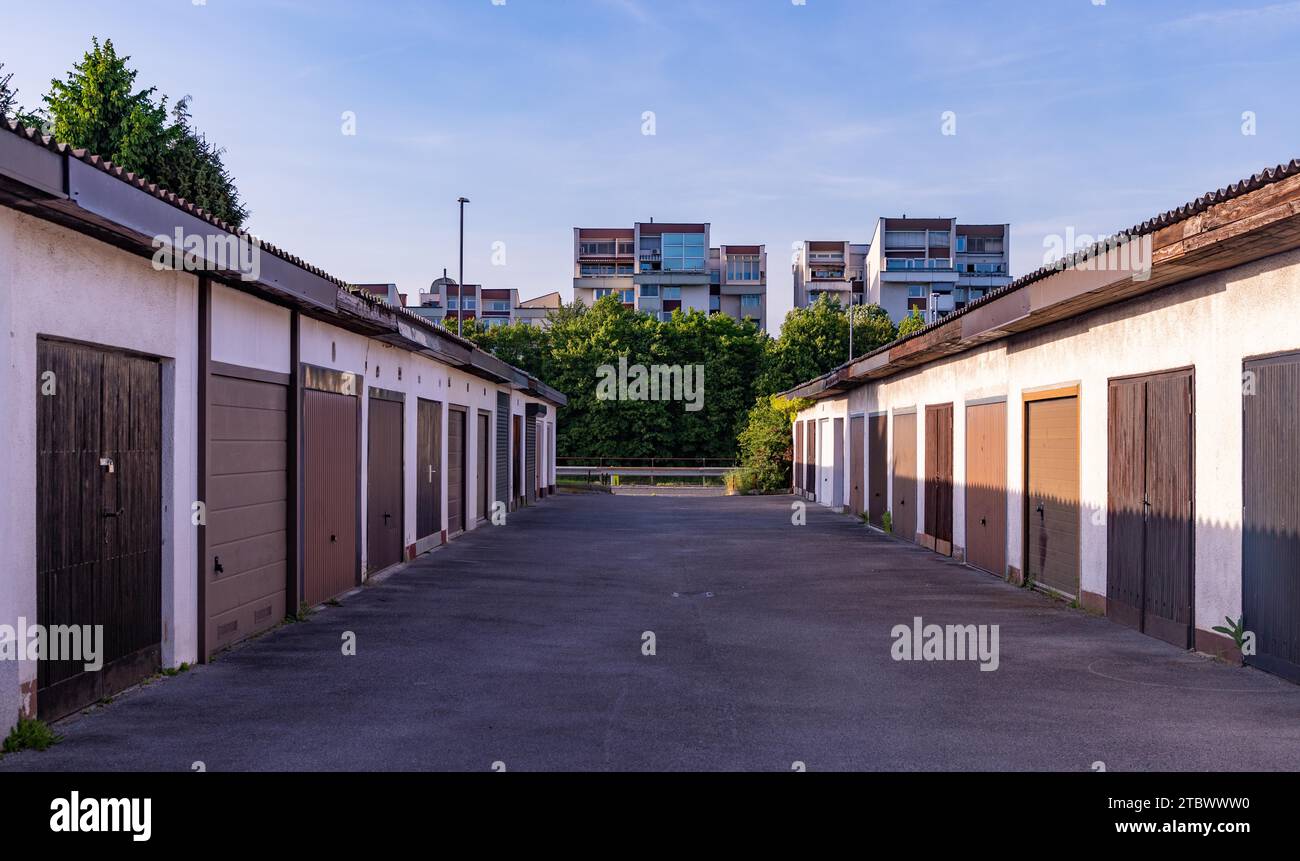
(602, 292)
(672, 292)
(497, 305)
(715, 303)
(961, 243)
(939, 239)
(628, 296)
(648, 290)
(452, 303)
(905, 238)
(751, 301)
(626, 246)
(683, 252)
(915, 290)
(596, 247)
(744, 267)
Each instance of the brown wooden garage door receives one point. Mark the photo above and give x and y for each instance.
(247, 489)
(938, 478)
(1052, 493)
(1150, 561)
(904, 504)
(1271, 519)
(98, 517)
(986, 486)
(428, 478)
(384, 487)
(857, 469)
(331, 485)
(878, 468)
(456, 469)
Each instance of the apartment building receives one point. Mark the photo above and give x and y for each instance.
(1056, 432)
(834, 267)
(659, 268)
(491, 306)
(934, 265)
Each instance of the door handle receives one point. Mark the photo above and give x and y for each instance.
(216, 565)
(1040, 510)
(983, 522)
(117, 513)
(386, 516)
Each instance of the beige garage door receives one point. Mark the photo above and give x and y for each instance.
(1052, 493)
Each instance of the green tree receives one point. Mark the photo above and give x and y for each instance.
(815, 339)
(913, 322)
(97, 107)
(765, 444)
(9, 107)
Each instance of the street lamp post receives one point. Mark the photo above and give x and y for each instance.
(460, 289)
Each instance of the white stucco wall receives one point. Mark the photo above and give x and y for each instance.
(58, 283)
(248, 331)
(1211, 324)
(830, 455)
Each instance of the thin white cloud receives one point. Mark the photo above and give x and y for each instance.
(1255, 16)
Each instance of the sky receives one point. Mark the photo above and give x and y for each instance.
(774, 120)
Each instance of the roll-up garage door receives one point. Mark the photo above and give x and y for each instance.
(384, 491)
(98, 517)
(1149, 534)
(857, 441)
(1271, 520)
(986, 486)
(904, 506)
(331, 484)
(1052, 493)
(456, 514)
(483, 459)
(502, 458)
(428, 478)
(938, 478)
(247, 535)
(516, 460)
(530, 452)
(878, 468)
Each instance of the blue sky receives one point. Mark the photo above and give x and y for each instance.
(775, 122)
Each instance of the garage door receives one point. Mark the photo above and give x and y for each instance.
(1149, 525)
(247, 489)
(1271, 526)
(530, 452)
(483, 458)
(986, 486)
(857, 469)
(516, 460)
(456, 470)
(98, 518)
(1052, 493)
(904, 506)
(878, 468)
(810, 458)
(384, 502)
(502, 456)
(938, 478)
(796, 465)
(428, 477)
(331, 457)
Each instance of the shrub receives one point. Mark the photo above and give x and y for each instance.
(765, 443)
(30, 733)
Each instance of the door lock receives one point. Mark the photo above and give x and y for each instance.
(106, 463)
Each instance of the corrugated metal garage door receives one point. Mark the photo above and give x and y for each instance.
(938, 478)
(483, 457)
(384, 492)
(1052, 493)
(878, 468)
(503, 448)
(1150, 528)
(516, 459)
(1271, 524)
(331, 488)
(456, 514)
(796, 466)
(904, 508)
(986, 486)
(247, 535)
(530, 452)
(98, 517)
(857, 442)
(428, 478)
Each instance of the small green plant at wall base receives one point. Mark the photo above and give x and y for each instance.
(32, 734)
(1236, 630)
(176, 671)
(887, 522)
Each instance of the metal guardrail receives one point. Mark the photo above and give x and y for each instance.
(604, 470)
